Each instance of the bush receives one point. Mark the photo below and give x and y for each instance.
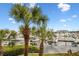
(33, 49)
(13, 51)
(18, 50)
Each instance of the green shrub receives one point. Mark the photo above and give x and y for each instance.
(18, 50)
(33, 49)
(13, 51)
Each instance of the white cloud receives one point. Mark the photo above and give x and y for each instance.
(74, 16)
(62, 20)
(63, 7)
(69, 19)
(13, 22)
(31, 5)
(11, 19)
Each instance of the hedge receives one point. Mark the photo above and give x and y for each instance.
(33, 49)
(18, 50)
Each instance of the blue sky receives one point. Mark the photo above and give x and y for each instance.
(62, 16)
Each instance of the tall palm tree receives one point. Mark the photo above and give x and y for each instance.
(41, 21)
(22, 14)
(42, 33)
(33, 36)
(2, 37)
(42, 37)
(36, 14)
(50, 36)
(25, 15)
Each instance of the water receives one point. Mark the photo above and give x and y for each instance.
(63, 47)
(59, 48)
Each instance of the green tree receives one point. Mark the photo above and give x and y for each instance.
(22, 14)
(26, 16)
(12, 37)
(33, 31)
(13, 34)
(2, 38)
(36, 14)
(50, 36)
(42, 33)
(41, 21)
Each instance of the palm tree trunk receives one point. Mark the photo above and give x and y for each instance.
(26, 40)
(1, 51)
(41, 48)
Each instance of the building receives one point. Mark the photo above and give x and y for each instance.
(62, 42)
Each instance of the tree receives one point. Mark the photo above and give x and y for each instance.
(12, 38)
(2, 37)
(22, 14)
(26, 16)
(13, 34)
(36, 14)
(41, 21)
(33, 31)
(33, 35)
(42, 33)
(50, 36)
(42, 37)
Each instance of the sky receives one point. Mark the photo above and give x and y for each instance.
(61, 16)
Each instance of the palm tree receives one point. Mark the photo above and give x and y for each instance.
(42, 33)
(41, 21)
(12, 37)
(42, 37)
(13, 34)
(33, 34)
(33, 31)
(2, 37)
(36, 14)
(50, 36)
(22, 14)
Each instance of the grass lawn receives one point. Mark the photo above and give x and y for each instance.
(11, 50)
(56, 54)
(36, 54)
